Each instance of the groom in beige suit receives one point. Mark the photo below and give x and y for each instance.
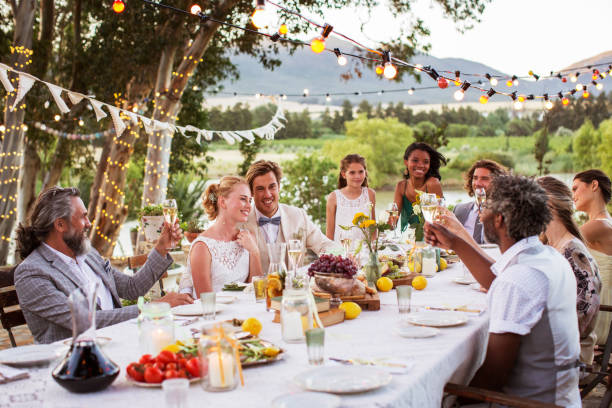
(273, 222)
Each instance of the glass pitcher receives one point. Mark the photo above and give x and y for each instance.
(277, 271)
(85, 368)
(296, 312)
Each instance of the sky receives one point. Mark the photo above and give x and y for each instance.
(514, 36)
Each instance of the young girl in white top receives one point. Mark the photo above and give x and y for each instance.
(352, 196)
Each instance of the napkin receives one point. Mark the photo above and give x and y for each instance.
(8, 374)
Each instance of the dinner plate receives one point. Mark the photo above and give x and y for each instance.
(32, 355)
(415, 332)
(307, 400)
(343, 379)
(100, 340)
(462, 280)
(226, 298)
(436, 319)
(194, 309)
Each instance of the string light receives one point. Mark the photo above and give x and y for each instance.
(492, 80)
(518, 103)
(317, 45)
(579, 87)
(195, 9)
(574, 77)
(118, 6)
(327, 98)
(282, 30)
(547, 104)
(379, 70)
(389, 71)
(341, 58)
(565, 101)
(442, 83)
(457, 78)
(260, 18)
(305, 92)
(57, 118)
(460, 93)
(485, 98)
(411, 91)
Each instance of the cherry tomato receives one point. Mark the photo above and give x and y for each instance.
(182, 363)
(193, 367)
(136, 371)
(160, 366)
(153, 375)
(171, 374)
(146, 358)
(171, 366)
(182, 373)
(166, 356)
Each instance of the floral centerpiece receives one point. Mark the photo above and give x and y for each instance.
(416, 220)
(371, 231)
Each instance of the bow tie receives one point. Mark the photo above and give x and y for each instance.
(265, 220)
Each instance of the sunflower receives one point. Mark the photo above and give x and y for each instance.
(358, 216)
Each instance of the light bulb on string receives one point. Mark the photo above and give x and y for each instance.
(518, 105)
(389, 70)
(492, 80)
(327, 98)
(579, 87)
(305, 92)
(195, 9)
(342, 60)
(459, 95)
(260, 17)
(485, 98)
(521, 98)
(411, 91)
(282, 30)
(515, 80)
(598, 85)
(317, 45)
(457, 78)
(25, 128)
(548, 103)
(118, 6)
(565, 101)
(57, 118)
(442, 83)
(585, 94)
(509, 83)
(574, 77)
(81, 122)
(379, 70)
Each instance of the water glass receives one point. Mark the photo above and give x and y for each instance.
(315, 340)
(404, 293)
(259, 286)
(175, 392)
(208, 305)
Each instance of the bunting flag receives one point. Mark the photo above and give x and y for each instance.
(6, 82)
(26, 81)
(25, 84)
(56, 92)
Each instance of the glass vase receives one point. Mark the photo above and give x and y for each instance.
(372, 269)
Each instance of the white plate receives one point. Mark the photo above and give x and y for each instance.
(416, 332)
(307, 400)
(226, 298)
(343, 379)
(462, 280)
(436, 319)
(194, 309)
(35, 354)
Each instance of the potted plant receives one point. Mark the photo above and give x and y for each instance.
(192, 229)
(151, 221)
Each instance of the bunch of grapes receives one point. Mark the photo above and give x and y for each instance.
(333, 264)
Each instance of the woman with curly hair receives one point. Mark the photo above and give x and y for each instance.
(562, 234)
(422, 174)
(224, 253)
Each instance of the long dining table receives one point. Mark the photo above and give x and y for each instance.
(453, 355)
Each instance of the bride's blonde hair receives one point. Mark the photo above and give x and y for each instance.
(210, 198)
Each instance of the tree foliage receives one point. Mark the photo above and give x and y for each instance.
(585, 146)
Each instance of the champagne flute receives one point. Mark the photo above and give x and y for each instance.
(429, 203)
(481, 196)
(294, 249)
(393, 215)
(170, 211)
(345, 241)
(440, 208)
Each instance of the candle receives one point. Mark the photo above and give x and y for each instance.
(292, 326)
(429, 266)
(160, 338)
(218, 364)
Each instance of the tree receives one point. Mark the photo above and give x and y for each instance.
(433, 135)
(540, 149)
(347, 111)
(585, 145)
(364, 108)
(605, 148)
(519, 127)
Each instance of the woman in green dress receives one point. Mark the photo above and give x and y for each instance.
(423, 174)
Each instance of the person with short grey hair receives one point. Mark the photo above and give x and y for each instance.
(534, 343)
(58, 259)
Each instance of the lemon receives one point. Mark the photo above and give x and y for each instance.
(175, 348)
(252, 325)
(351, 310)
(419, 283)
(275, 287)
(384, 284)
(271, 351)
(443, 264)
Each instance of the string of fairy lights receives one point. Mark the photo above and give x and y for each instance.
(387, 65)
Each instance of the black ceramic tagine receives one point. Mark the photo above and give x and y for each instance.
(85, 368)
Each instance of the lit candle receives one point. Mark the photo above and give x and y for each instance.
(160, 338)
(216, 365)
(292, 326)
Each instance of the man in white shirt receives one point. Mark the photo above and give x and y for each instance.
(478, 176)
(534, 343)
(58, 259)
(274, 222)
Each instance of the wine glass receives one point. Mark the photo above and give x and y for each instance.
(346, 241)
(294, 249)
(170, 211)
(481, 195)
(393, 215)
(440, 208)
(429, 204)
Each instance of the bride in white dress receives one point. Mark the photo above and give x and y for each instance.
(223, 253)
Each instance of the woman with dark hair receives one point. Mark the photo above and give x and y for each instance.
(422, 174)
(352, 196)
(562, 234)
(591, 190)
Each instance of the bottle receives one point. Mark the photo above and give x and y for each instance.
(296, 313)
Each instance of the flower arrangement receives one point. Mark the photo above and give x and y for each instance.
(416, 221)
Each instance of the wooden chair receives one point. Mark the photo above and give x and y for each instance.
(136, 261)
(481, 394)
(604, 370)
(10, 312)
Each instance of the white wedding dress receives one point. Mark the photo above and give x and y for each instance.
(345, 212)
(230, 263)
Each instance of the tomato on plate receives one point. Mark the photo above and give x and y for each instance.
(182, 363)
(182, 373)
(153, 375)
(146, 358)
(161, 366)
(171, 366)
(170, 374)
(193, 367)
(136, 371)
(166, 356)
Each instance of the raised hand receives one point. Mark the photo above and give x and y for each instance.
(439, 236)
(247, 241)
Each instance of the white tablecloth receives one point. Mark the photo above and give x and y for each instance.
(453, 355)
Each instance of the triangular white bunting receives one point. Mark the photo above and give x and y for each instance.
(117, 121)
(56, 92)
(148, 124)
(228, 138)
(133, 117)
(25, 84)
(97, 107)
(5, 79)
(75, 97)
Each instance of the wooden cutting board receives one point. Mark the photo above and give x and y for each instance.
(367, 302)
(329, 318)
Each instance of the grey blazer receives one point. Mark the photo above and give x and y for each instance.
(462, 211)
(44, 282)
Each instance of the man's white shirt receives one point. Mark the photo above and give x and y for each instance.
(270, 230)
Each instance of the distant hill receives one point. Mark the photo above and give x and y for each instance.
(321, 74)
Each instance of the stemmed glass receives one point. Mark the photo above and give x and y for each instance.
(346, 241)
(481, 195)
(393, 215)
(170, 211)
(295, 251)
(429, 206)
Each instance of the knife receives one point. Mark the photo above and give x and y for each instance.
(455, 309)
